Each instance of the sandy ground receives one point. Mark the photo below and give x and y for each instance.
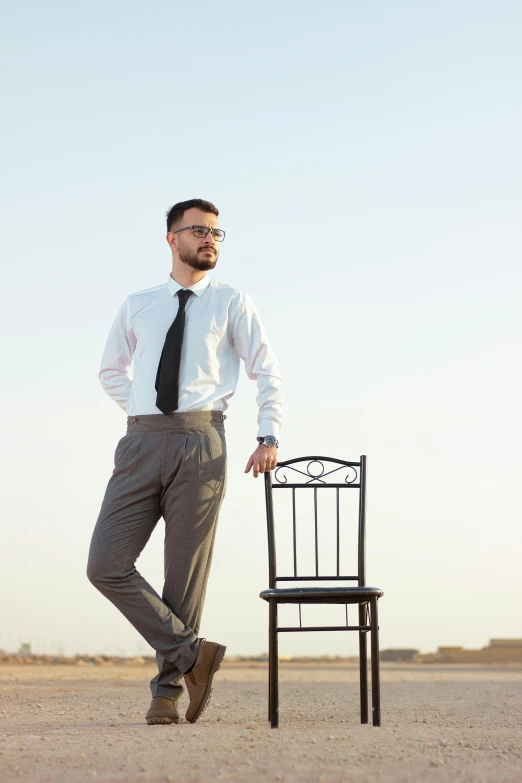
(440, 723)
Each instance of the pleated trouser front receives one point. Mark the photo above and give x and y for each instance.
(174, 467)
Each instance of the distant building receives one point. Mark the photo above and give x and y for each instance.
(511, 643)
(398, 655)
(498, 651)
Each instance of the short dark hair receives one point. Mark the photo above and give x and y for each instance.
(175, 213)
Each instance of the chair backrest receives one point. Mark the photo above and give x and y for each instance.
(310, 475)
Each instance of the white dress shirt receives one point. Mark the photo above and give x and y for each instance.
(222, 326)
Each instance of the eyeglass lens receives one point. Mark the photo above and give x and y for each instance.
(202, 231)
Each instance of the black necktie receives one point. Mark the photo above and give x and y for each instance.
(167, 377)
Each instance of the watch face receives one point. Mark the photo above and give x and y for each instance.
(270, 440)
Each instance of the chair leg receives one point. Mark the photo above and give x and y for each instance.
(269, 672)
(363, 666)
(376, 685)
(273, 667)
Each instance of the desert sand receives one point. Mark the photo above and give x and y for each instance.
(440, 723)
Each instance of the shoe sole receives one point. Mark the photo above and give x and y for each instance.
(218, 660)
(162, 721)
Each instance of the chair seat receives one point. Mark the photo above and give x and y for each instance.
(319, 595)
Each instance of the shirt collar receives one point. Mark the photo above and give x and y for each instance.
(198, 288)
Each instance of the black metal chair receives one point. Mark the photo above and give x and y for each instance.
(313, 477)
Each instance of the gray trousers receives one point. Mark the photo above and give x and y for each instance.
(172, 466)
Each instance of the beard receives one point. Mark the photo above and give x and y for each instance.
(197, 259)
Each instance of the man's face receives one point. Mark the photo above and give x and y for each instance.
(197, 252)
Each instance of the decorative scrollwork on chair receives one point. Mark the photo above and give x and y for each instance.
(314, 471)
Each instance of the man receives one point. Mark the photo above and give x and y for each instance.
(185, 339)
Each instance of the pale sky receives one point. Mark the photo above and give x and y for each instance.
(365, 159)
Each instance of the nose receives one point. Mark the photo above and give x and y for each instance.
(209, 240)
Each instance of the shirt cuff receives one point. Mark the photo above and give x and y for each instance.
(268, 427)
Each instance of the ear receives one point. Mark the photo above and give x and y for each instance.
(172, 240)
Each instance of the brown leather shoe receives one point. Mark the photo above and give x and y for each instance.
(199, 678)
(162, 710)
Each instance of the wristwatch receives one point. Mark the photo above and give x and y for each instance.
(268, 440)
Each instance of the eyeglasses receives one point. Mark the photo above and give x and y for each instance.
(202, 231)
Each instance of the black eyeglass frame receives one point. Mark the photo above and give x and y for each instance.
(206, 229)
